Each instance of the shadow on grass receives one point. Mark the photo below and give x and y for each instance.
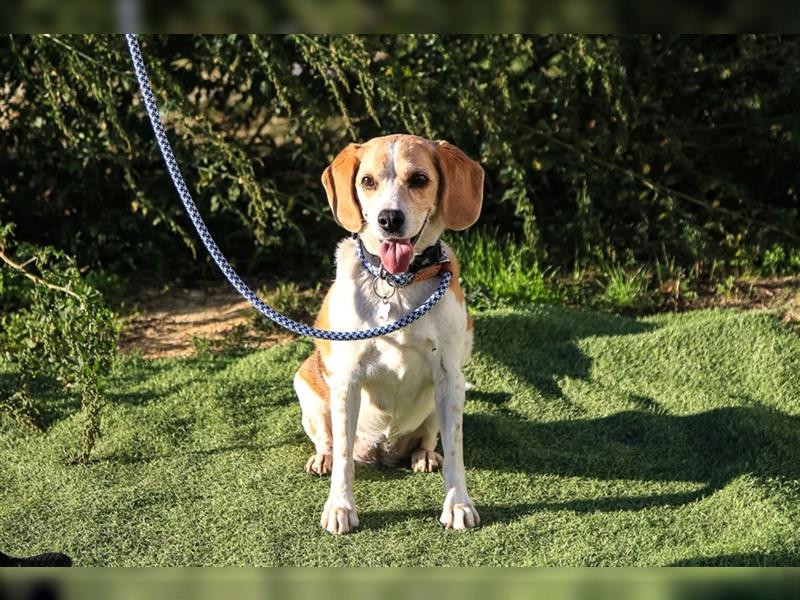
(133, 458)
(647, 444)
(710, 447)
(492, 514)
(540, 346)
(753, 559)
(50, 401)
(53, 402)
(137, 370)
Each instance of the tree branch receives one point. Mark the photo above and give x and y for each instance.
(35, 278)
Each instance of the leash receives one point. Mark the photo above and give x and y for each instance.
(194, 215)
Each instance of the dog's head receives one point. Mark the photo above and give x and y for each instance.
(400, 192)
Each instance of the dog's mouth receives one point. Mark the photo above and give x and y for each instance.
(397, 254)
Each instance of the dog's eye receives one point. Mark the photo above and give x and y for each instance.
(368, 182)
(418, 180)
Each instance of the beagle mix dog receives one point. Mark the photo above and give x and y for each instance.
(386, 399)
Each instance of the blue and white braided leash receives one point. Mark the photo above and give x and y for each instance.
(222, 262)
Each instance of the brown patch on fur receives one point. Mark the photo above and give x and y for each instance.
(461, 186)
(470, 323)
(339, 181)
(455, 270)
(312, 371)
(323, 322)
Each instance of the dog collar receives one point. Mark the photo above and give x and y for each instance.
(429, 263)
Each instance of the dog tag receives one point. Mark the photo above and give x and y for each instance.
(383, 310)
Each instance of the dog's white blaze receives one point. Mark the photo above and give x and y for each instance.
(389, 195)
(391, 173)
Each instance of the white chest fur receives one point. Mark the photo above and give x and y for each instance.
(396, 372)
(397, 392)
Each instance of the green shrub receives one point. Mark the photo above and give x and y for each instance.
(496, 272)
(291, 300)
(55, 326)
(624, 290)
(597, 149)
(778, 259)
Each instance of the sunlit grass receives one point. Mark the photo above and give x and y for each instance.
(498, 272)
(589, 439)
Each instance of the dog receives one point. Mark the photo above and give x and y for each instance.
(385, 400)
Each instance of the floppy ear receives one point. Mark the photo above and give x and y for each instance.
(460, 188)
(340, 185)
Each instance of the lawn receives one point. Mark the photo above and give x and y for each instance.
(590, 439)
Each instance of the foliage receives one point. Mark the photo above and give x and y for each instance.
(623, 289)
(299, 304)
(54, 325)
(495, 272)
(660, 154)
(598, 149)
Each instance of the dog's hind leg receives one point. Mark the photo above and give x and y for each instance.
(314, 395)
(425, 459)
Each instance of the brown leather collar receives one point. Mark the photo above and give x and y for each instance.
(433, 271)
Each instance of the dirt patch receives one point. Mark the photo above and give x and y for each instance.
(780, 295)
(175, 323)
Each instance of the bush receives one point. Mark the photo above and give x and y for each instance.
(54, 325)
(498, 273)
(623, 290)
(598, 149)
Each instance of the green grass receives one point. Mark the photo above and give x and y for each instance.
(589, 440)
(623, 289)
(497, 272)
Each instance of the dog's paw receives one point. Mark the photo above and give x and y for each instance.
(426, 461)
(319, 464)
(338, 519)
(460, 515)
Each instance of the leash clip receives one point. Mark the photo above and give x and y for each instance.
(384, 297)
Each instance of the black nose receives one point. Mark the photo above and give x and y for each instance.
(391, 221)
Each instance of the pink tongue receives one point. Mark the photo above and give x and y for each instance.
(396, 255)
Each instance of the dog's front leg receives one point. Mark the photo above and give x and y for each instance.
(458, 511)
(339, 515)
